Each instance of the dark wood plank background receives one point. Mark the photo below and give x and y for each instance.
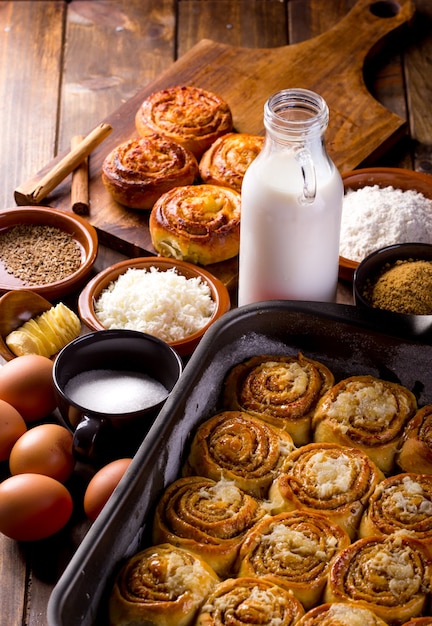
(65, 66)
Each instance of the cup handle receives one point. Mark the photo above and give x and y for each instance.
(86, 435)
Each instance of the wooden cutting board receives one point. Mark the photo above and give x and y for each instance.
(330, 64)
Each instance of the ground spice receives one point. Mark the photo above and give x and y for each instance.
(404, 287)
(39, 254)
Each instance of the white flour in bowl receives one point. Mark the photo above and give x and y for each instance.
(374, 217)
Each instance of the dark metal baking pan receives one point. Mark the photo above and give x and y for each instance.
(339, 335)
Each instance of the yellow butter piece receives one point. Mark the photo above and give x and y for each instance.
(45, 334)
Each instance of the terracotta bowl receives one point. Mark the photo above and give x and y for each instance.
(184, 347)
(83, 233)
(383, 177)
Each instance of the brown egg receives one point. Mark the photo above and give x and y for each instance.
(44, 449)
(12, 426)
(26, 383)
(33, 507)
(102, 485)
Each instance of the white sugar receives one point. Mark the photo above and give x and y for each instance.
(113, 392)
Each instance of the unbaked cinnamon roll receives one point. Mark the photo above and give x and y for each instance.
(226, 161)
(193, 117)
(334, 480)
(282, 390)
(249, 602)
(340, 614)
(197, 223)
(368, 413)
(293, 550)
(240, 448)
(160, 586)
(388, 575)
(415, 454)
(139, 171)
(206, 517)
(401, 502)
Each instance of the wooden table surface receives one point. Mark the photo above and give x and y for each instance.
(65, 66)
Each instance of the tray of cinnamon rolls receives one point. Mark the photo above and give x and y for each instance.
(287, 481)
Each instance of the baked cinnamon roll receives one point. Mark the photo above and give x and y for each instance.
(160, 586)
(340, 614)
(249, 602)
(293, 550)
(388, 575)
(401, 502)
(197, 223)
(139, 171)
(206, 517)
(368, 413)
(281, 390)
(238, 447)
(226, 161)
(334, 480)
(415, 454)
(419, 621)
(193, 117)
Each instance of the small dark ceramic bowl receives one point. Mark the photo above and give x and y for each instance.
(398, 178)
(101, 435)
(370, 268)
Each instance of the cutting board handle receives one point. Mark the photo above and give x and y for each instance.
(366, 24)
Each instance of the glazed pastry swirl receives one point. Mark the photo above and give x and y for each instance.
(415, 454)
(197, 223)
(401, 502)
(206, 517)
(365, 412)
(340, 614)
(238, 447)
(294, 550)
(250, 602)
(389, 575)
(334, 480)
(139, 171)
(282, 390)
(162, 585)
(226, 161)
(192, 116)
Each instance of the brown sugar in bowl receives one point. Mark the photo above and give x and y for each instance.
(184, 347)
(398, 178)
(74, 226)
(365, 276)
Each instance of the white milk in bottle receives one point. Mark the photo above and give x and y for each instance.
(292, 197)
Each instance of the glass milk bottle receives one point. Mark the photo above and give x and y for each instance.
(292, 197)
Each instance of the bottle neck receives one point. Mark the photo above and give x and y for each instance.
(296, 120)
(296, 116)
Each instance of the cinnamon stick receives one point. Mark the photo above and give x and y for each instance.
(33, 192)
(80, 182)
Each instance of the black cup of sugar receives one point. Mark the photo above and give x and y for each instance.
(110, 386)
